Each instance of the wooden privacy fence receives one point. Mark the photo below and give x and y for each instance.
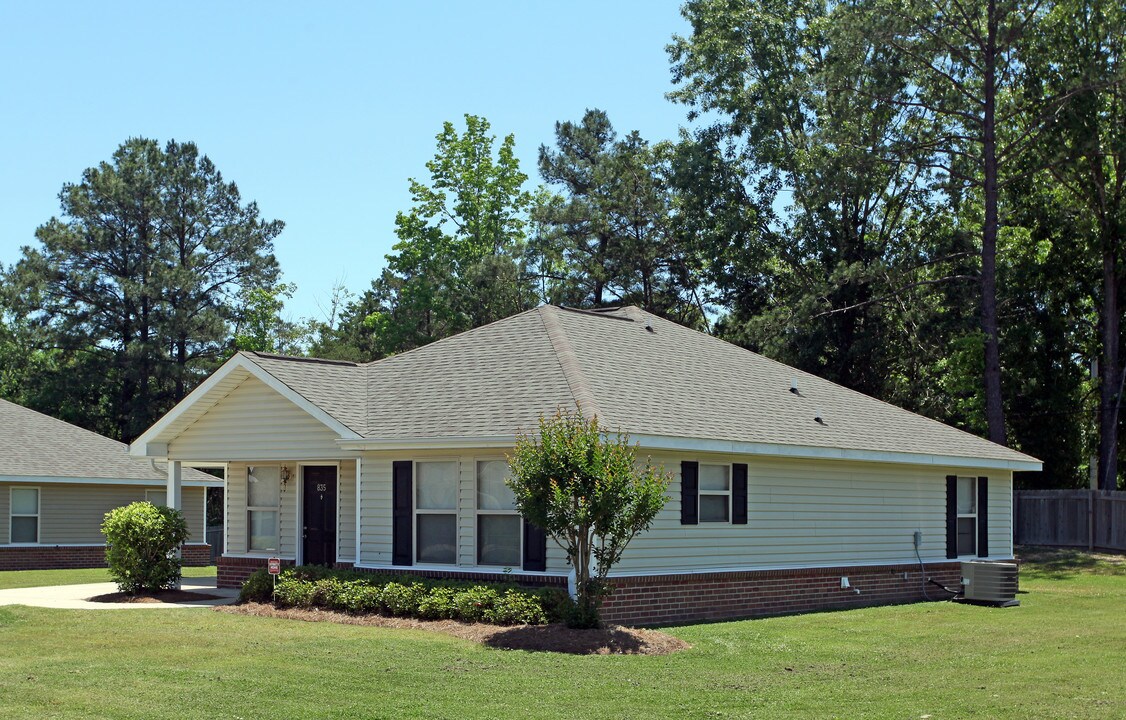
(1072, 518)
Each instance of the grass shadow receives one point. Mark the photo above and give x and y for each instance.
(603, 641)
(1050, 563)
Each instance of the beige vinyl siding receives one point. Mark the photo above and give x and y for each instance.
(467, 511)
(346, 511)
(5, 499)
(807, 513)
(802, 513)
(255, 423)
(72, 514)
(236, 512)
(375, 509)
(1000, 515)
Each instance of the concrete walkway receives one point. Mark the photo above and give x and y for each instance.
(74, 597)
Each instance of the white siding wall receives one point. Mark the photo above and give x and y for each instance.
(236, 512)
(255, 423)
(802, 513)
(375, 510)
(73, 513)
(1000, 514)
(346, 512)
(807, 513)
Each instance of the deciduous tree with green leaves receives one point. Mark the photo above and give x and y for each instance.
(584, 487)
(458, 262)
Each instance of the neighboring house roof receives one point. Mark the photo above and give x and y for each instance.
(34, 446)
(666, 384)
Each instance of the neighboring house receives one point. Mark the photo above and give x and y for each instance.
(57, 482)
(784, 483)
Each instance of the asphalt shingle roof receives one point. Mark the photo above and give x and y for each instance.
(636, 371)
(36, 445)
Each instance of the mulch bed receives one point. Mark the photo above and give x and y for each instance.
(164, 596)
(611, 640)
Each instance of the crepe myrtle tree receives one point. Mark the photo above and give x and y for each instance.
(583, 486)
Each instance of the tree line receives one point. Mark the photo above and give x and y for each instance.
(922, 200)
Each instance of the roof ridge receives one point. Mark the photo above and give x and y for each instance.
(599, 312)
(305, 359)
(568, 362)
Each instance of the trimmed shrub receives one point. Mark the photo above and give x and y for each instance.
(407, 596)
(141, 542)
(259, 587)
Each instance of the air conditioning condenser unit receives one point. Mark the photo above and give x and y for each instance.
(992, 583)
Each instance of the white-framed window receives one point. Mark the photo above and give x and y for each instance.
(499, 526)
(263, 508)
(156, 497)
(435, 512)
(967, 516)
(23, 515)
(715, 493)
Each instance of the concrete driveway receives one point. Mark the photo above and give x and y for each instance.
(75, 597)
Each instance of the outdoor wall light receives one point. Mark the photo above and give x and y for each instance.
(284, 475)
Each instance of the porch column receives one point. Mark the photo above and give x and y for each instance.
(173, 496)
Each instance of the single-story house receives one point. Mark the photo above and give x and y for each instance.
(57, 482)
(790, 492)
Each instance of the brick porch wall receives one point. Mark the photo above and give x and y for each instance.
(665, 599)
(57, 557)
(232, 572)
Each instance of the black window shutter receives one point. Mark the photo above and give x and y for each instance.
(951, 516)
(535, 547)
(983, 517)
(402, 524)
(739, 494)
(689, 493)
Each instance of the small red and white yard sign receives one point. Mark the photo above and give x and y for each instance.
(273, 566)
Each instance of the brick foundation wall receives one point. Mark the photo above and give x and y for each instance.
(669, 599)
(666, 599)
(196, 555)
(58, 557)
(232, 572)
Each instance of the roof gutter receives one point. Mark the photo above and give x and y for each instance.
(729, 447)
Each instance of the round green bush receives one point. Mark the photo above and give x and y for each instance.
(259, 587)
(141, 544)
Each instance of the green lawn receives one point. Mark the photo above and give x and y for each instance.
(36, 578)
(1061, 654)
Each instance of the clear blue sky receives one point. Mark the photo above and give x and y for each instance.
(318, 111)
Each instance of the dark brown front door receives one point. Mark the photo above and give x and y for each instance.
(319, 515)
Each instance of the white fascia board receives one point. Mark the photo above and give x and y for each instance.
(140, 446)
(727, 447)
(450, 443)
(135, 482)
(806, 452)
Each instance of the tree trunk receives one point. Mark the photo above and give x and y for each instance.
(1111, 375)
(994, 409)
